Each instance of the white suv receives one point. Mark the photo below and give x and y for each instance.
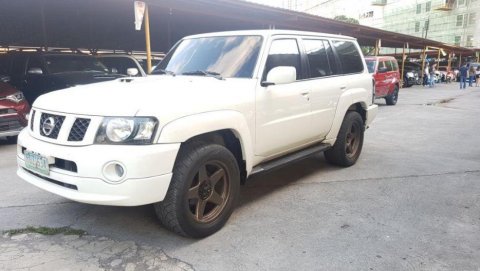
(223, 107)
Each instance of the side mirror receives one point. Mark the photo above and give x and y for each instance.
(4, 78)
(132, 71)
(36, 71)
(382, 70)
(281, 75)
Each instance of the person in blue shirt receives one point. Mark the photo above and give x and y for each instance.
(463, 76)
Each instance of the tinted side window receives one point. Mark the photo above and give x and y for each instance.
(331, 58)
(389, 65)
(18, 65)
(349, 56)
(395, 65)
(317, 58)
(35, 62)
(5, 64)
(283, 53)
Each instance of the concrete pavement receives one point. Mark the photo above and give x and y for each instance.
(411, 202)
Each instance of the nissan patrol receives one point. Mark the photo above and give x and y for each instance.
(222, 107)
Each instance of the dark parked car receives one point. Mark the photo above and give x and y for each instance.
(122, 64)
(14, 110)
(36, 73)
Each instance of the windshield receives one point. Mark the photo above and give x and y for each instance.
(371, 66)
(71, 63)
(230, 56)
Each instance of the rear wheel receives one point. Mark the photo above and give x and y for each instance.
(392, 98)
(349, 143)
(203, 191)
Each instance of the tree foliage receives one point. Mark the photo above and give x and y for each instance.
(346, 19)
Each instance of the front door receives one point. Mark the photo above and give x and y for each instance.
(283, 113)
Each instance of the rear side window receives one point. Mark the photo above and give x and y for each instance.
(389, 65)
(349, 56)
(317, 58)
(395, 65)
(284, 52)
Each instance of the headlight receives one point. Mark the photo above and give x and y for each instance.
(127, 130)
(16, 97)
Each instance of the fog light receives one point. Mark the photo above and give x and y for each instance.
(114, 172)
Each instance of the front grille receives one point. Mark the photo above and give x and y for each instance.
(7, 111)
(10, 125)
(79, 128)
(51, 132)
(32, 120)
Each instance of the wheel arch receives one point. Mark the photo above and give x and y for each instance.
(227, 128)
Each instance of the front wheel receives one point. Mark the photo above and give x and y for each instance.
(203, 190)
(347, 148)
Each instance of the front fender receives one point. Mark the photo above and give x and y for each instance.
(184, 128)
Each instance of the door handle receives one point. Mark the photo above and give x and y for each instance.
(343, 87)
(305, 93)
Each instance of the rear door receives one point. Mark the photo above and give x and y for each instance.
(324, 82)
(381, 79)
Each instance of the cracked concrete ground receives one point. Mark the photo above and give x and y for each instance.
(412, 202)
(34, 251)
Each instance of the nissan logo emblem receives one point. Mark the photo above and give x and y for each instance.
(48, 125)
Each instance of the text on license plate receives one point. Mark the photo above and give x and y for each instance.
(36, 162)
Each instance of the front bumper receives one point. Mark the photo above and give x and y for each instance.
(148, 171)
(372, 111)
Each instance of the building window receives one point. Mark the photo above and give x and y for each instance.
(470, 41)
(459, 20)
(471, 19)
(428, 6)
(458, 39)
(419, 8)
(460, 3)
(417, 26)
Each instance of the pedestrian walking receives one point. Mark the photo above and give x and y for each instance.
(426, 76)
(471, 75)
(463, 76)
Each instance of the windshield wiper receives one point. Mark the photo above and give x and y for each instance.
(162, 71)
(205, 73)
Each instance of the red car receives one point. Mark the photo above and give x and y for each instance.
(14, 111)
(387, 77)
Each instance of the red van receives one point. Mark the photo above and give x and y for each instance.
(387, 77)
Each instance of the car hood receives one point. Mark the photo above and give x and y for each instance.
(159, 96)
(6, 89)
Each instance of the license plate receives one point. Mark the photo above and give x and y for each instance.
(37, 162)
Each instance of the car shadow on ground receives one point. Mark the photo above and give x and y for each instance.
(141, 224)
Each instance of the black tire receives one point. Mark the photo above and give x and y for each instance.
(346, 150)
(392, 98)
(193, 187)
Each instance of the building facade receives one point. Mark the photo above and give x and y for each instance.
(455, 22)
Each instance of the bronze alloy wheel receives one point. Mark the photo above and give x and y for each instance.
(209, 192)
(348, 146)
(352, 141)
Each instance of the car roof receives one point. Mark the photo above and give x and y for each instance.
(268, 33)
